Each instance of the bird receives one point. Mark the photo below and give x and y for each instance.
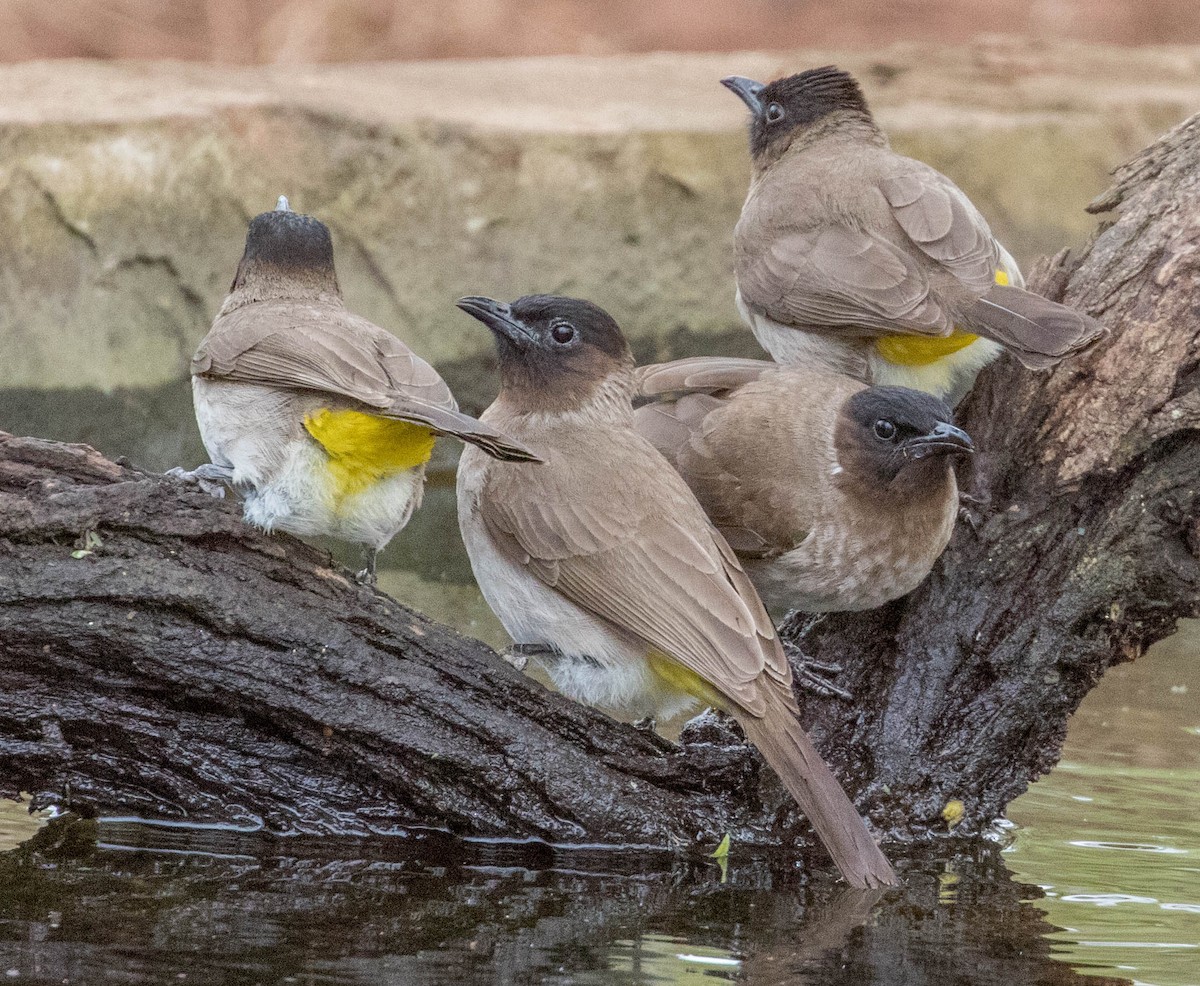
(600, 561)
(836, 496)
(321, 420)
(852, 256)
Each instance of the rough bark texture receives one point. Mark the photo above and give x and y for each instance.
(159, 657)
(1087, 551)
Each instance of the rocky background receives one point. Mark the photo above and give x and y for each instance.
(125, 189)
(304, 31)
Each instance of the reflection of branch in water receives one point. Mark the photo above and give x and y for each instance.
(407, 911)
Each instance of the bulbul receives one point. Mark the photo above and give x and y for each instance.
(857, 258)
(835, 495)
(323, 421)
(600, 560)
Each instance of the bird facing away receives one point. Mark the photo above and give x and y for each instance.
(859, 259)
(323, 421)
(835, 495)
(600, 560)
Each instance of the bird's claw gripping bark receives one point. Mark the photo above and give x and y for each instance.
(815, 676)
(210, 477)
(518, 655)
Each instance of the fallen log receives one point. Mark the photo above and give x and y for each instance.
(159, 658)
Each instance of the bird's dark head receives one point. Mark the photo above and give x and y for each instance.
(892, 440)
(782, 109)
(555, 353)
(286, 246)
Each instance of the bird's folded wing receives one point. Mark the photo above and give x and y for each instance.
(698, 373)
(311, 346)
(943, 223)
(621, 537)
(836, 278)
(679, 429)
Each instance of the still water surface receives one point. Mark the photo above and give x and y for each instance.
(1099, 878)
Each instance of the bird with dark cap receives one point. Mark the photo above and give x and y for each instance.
(835, 495)
(851, 256)
(600, 561)
(320, 419)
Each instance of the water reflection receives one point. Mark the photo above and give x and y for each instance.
(1111, 835)
(156, 905)
(1112, 832)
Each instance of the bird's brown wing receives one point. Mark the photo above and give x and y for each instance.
(697, 373)
(301, 345)
(613, 528)
(942, 223)
(907, 255)
(839, 278)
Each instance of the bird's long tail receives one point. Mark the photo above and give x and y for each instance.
(782, 741)
(1039, 332)
(447, 421)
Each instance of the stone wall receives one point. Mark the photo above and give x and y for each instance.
(125, 190)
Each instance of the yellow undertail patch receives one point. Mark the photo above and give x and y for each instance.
(677, 676)
(911, 350)
(363, 449)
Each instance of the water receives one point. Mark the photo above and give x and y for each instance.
(1101, 877)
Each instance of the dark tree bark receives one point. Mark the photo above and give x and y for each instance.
(1088, 549)
(158, 657)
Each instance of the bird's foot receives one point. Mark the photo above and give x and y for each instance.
(815, 676)
(805, 623)
(972, 510)
(518, 655)
(210, 477)
(646, 724)
(366, 575)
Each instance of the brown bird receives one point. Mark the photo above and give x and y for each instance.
(854, 257)
(835, 495)
(323, 421)
(600, 561)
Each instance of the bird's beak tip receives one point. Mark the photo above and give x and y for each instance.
(496, 315)
(746, 90)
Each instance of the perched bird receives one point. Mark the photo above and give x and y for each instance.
(600, 561)
(857, 258)
(835, 495)
(323, 421)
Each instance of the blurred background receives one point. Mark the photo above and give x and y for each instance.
(302, 31)
(127, 178)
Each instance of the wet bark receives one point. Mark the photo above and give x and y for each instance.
(1087, 551)
(160, 658)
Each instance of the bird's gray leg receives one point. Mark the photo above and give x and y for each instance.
(812, 675)
(518, 655)
(366, 575)
(647, 724)
(210, 477)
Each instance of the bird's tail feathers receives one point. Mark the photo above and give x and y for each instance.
(448, 421)
(785, 745)
(1039, 332)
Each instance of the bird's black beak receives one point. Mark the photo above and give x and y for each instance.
(498, 317)
(945, 439)
(747, 90)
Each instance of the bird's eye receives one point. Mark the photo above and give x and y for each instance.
(885, 430)
(562, 332)
(774, 113)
